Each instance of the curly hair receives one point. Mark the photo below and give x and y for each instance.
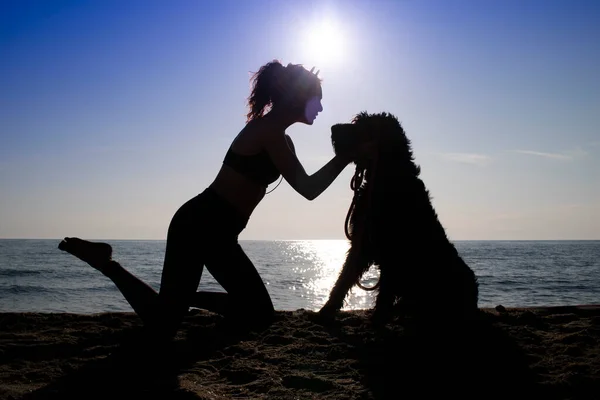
(274, 85)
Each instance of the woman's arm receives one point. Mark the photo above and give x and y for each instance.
(282, 152)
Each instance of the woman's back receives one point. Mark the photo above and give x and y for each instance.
(247, 169)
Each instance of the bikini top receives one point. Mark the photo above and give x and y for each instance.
(256, 167)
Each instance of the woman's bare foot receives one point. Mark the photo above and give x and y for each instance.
(98, 255)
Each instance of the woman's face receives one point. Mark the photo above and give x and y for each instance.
(312, 108)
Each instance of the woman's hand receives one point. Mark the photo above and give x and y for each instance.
(364, 152)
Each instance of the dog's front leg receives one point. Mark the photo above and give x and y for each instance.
(385, 299)
(354, 266)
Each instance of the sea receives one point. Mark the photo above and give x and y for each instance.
(37, 277)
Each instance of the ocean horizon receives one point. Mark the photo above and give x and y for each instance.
(37, 277)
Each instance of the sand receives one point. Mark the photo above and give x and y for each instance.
(546, 353)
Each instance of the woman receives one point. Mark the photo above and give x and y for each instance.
(204, 231)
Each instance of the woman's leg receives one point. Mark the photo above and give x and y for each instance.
(140, 296)
(196, 234)
(180, 276)
(248, 300)
(217, 302)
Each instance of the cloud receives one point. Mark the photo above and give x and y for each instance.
(468, 158)
(566, 155)
(557, 156)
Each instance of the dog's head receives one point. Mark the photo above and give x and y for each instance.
(384, 128)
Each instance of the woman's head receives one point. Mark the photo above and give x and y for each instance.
(291, 90)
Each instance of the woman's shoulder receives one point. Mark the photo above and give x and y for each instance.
(264, 129)
(259, 132)
(290, 142)
(259, 125)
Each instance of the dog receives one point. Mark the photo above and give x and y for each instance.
(391, 224)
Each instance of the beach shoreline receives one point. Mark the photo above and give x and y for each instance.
(516, 352)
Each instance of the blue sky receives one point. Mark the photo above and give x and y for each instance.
(114, 113)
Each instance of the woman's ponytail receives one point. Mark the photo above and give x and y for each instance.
(264, 86)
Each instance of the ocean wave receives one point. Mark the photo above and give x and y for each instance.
(15, 272)
(25, 289)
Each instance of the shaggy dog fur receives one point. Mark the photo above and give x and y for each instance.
(391, 224)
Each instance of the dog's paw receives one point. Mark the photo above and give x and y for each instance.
(326, 314)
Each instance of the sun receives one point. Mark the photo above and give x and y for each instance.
(324, 43)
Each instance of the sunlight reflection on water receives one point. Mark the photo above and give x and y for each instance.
(315, 265)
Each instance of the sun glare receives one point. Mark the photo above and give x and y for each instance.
(324, 43)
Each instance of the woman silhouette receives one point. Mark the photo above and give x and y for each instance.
(204, 231)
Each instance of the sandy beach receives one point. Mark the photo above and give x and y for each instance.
(549, 353)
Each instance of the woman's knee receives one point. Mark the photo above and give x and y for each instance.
(169, 314)
(251, 317)
(252, 304)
